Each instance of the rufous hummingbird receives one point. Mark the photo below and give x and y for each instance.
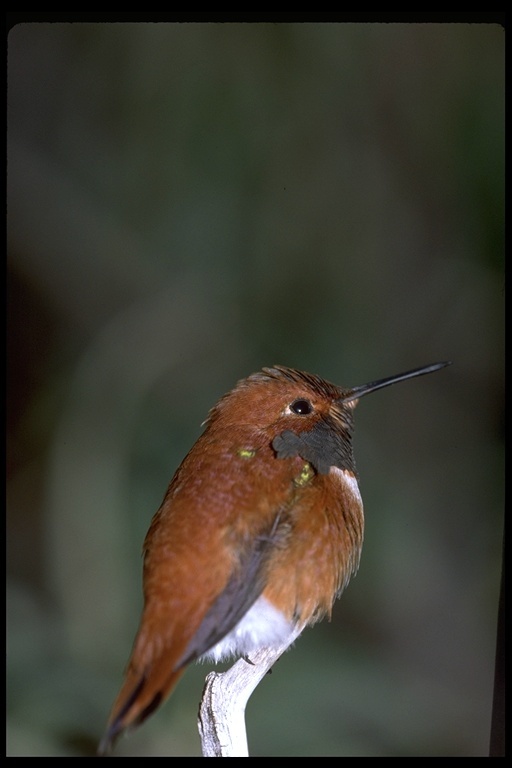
(259, 532)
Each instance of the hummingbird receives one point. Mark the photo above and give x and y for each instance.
(260, 530)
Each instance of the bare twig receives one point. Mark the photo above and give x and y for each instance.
(221, 714)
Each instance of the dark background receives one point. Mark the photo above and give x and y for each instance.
(186, 204)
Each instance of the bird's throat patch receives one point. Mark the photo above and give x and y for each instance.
(323, 447)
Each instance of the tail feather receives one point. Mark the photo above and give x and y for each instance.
(138, 698)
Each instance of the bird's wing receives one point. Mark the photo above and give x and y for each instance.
(243, 588)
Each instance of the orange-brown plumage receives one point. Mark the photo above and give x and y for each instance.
(260, 530)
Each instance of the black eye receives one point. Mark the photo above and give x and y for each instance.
(301, 407)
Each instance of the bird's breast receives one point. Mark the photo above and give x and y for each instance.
(322, 549)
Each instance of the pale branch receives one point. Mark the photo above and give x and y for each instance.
(221, 718)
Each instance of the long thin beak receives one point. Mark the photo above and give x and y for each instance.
(365, 389)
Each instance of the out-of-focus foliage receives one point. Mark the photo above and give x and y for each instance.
(188, 203)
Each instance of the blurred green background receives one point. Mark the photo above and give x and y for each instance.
(186, 204)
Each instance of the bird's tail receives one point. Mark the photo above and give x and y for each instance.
(140, 695)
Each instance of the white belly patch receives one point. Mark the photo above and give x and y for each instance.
(262, 626)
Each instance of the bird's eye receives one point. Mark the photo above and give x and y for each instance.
(301, 407)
